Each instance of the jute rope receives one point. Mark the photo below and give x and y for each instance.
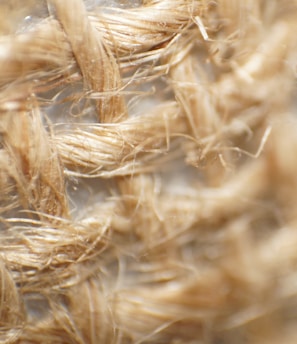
(148, 171)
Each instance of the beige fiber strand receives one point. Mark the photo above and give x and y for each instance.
(148, 171)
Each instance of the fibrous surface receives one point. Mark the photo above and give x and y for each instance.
(148, 171)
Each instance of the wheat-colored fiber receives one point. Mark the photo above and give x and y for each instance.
(148, 171)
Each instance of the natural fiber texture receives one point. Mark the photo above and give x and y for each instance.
(148, 171)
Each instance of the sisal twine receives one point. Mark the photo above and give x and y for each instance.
(148, 171)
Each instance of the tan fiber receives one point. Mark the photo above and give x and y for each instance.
(148, 171)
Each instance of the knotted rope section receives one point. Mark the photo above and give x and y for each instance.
(148, 171)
